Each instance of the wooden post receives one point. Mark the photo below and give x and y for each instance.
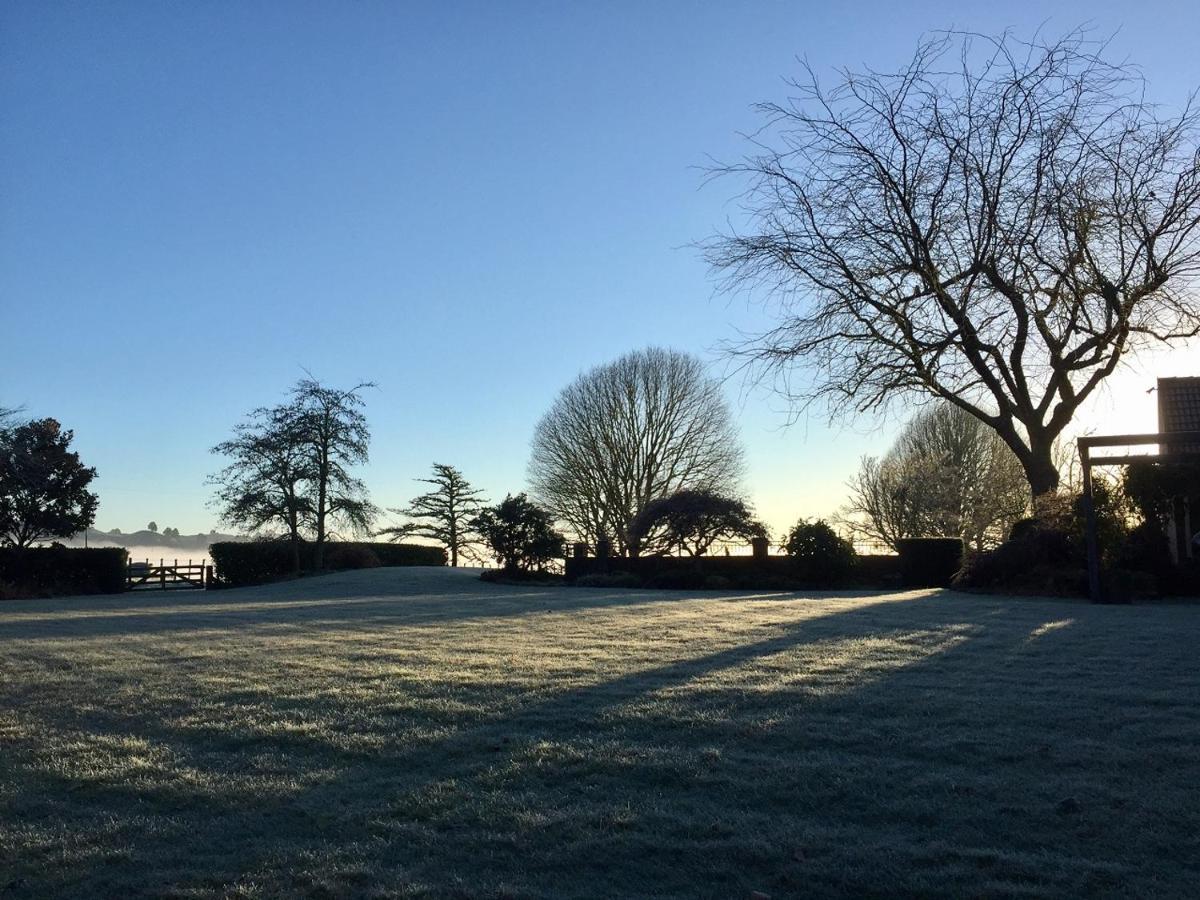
(1089, 510)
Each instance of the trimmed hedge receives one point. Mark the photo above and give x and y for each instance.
(773, 573)
(258, 562)
(59, 571)
(929, 562)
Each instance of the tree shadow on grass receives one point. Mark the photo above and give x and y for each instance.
(334, 601)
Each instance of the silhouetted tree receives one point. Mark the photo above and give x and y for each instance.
(949, 474)
(520, 534)
(152, 527)
(691, 522)
(445, 514)
(621, 435)
(997, 224)
(266, 481)
(43, 484)
(335, 436)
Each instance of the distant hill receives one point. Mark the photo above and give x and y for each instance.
(148, 539)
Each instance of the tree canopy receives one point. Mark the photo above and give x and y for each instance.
(691, 522)
(43, 484)
(520, 534)
(638, 429)
(446, 514)
(335, 437)
(291, 467)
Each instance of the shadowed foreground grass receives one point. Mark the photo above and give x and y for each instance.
(419, 733)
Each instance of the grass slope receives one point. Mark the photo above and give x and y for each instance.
(419, 733)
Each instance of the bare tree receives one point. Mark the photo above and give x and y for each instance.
(947, 474)
(265, 483)
(889, 501)
(641, 428)
(997, 224)
(335, 436)
(445, 514)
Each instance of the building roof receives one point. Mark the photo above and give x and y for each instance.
(1179, 408)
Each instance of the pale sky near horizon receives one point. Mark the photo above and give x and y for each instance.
(468, 203)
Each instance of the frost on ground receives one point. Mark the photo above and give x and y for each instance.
(419, 733)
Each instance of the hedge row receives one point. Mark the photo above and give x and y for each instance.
(257, 562)
(929, 562)
(725, 572)
(59, 571)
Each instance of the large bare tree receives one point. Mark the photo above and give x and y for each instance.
(638, 429)
(997, 224)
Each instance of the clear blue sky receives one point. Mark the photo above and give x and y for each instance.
(465, 202)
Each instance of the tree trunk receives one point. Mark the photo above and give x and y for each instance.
(295, 549)
(322, 490)
(1040, 469)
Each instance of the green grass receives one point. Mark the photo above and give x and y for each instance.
(418, 733)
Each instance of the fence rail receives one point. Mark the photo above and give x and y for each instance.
(172, 576)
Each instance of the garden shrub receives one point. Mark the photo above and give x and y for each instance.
(929, 561)
(678, 580)
(351, 556)
(520, 534)
(819, 556)
(519, 576)
(609, 580)
(1039, 557)
(58, 571)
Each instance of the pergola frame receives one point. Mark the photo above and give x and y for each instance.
(1088, 462)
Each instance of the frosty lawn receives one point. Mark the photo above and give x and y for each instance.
(416, 732)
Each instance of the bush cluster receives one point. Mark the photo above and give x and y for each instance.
(819, 557)
(1047, 554)
(258, 562)
(61, 571)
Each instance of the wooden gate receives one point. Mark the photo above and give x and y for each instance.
(172, 576)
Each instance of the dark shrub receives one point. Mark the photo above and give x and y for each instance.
(679, 580)
(257, 562)
(351, 556)
(717, 583)
(929, 562)
(1022, 528)
(819, 557)
(520, 534)
(516, 576)
(609, 580)
(1039, 559)
(59, 571)
(391, 555)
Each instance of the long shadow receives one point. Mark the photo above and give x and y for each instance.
(396, 602)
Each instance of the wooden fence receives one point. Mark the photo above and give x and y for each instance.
(172, 576)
